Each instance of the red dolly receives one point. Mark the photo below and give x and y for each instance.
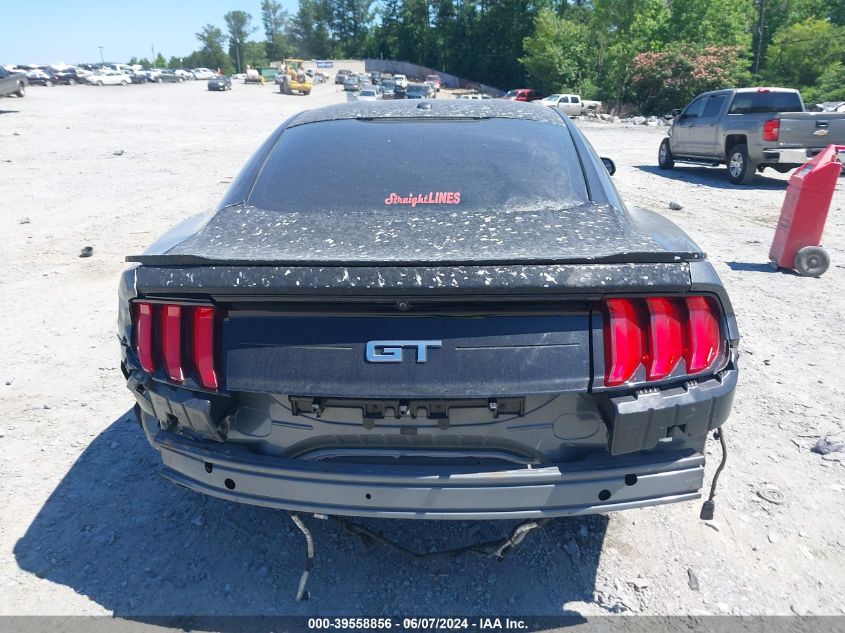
(804, 212)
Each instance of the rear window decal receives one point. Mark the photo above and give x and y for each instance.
(432, 197)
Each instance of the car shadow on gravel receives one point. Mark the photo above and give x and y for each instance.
(115, 531)
(712, 177)
(755, 267)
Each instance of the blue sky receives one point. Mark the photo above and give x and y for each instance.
(53, 31)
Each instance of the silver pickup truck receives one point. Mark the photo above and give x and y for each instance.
(749, 129)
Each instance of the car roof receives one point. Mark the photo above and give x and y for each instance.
(468, 109)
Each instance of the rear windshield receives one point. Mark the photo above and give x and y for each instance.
(436, 165)
(762, 102)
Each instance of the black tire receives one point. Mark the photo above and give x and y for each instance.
(124, 83)
(71, 82)
(21, 92)
(665, 159)
(99, 83)
(812, 261)
(740, 169)
(48, 84)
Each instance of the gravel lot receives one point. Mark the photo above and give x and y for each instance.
(88, 527)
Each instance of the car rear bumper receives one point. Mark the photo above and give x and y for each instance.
(583, 487)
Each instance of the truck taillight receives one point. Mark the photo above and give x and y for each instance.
(771, 130)
(657, 334)
(180, 338)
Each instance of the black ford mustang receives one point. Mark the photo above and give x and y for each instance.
(480, 328)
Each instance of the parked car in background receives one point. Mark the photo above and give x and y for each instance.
(434, 79)
(388, 86)
(351, 83)
(42, 77)
(368, 93)
(418, 91)
(153, 74)
(474, 96)
(399, 91)
(748, 130)
(139, 77)
(108, 78)
(342, 75)
(71, 76)
(401, 80)
(187, 74)
(220, 83)
(203, 73)
(12, 83)
(170, 76)
(523, 94)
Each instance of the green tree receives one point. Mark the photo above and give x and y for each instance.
(351, 22)
(800, 53)
(628, 28)
(160, 61)
(212, 55)
(255, 54)
(387, 34)
(706, 22)
(829, 87)
(558, 54)
(239, 27)
(275, 21)
(311, 29)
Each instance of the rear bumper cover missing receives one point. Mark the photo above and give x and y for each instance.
(428, 493)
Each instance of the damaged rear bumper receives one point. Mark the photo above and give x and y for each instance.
(583, 487)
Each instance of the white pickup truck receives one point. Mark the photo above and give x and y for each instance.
(571, 105)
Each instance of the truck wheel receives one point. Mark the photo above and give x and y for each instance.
(21, 90)
(665, 160)
(740, 169)
(812, 261)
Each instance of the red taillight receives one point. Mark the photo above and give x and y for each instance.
(771, 130)
(184, 346)
(144, 336)
(204, 346)
(657, 333)
(665, 337)
(171, 341)
(623, 341)
(704, 335)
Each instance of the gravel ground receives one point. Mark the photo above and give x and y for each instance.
(88, 527)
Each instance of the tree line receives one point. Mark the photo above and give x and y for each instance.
(652, 54)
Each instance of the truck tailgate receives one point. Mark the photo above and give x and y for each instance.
(811, 130)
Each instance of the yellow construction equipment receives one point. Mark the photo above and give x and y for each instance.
(294, 78)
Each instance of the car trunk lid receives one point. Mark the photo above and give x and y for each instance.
(581, 233)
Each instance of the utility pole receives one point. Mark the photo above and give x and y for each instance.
(102, 61)
(761, 26)
(153, 58)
